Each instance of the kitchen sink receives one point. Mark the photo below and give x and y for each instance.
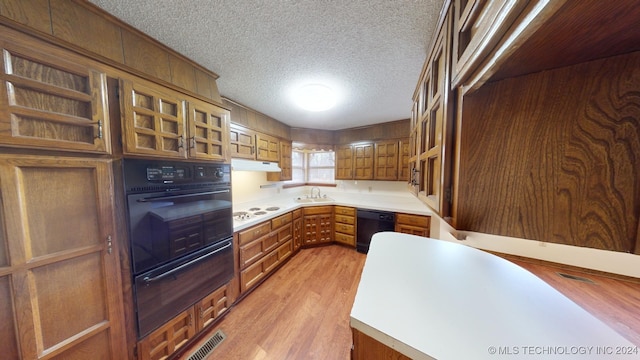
(312, 200)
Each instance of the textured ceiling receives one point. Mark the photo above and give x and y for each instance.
(370, 52)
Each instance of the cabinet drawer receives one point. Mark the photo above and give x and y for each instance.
(345, 229)
(281, 221)
(297, 213)
(255, 232)
(253, 251)
(250, 276)
(343, 210)
(413, 230)
(345, 239)
(345, 219)
(285, 233)
(315, 210)
(415, 220)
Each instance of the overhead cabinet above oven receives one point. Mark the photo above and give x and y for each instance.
(159, 122)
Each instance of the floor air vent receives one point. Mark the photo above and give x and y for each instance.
(208, 346)
(577, 278)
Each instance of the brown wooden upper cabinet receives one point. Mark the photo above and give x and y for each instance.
(163, 123)
(51, 98)
(378, 160)
(386, 160)
(242, 142)
(344, 162)
(286, 170)
(433, 112)
(268, 147)
(478, 25)
(208, 131)
(363, 161)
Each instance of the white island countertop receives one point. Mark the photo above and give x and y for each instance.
(434, 299)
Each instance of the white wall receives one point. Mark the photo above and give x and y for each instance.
(250, 186)
(608, 261)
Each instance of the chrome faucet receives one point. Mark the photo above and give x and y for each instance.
(315, 188)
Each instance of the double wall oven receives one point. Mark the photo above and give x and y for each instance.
(180, 235)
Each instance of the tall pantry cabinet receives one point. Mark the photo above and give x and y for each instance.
(60, 281)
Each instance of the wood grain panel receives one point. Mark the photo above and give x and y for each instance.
(555, 156)
(32, 13)
(203, 84)
(183, 74)
(145, 56)
(580, 31)
(388, 130)
(89, 30)
(9, 345)
(255, 120)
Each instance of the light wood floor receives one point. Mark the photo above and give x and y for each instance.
(302, 311)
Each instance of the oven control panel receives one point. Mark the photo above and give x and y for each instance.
(141, 173)
(169, 172)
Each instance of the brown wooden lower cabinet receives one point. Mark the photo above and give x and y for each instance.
(318, 225)
(368, 348)
(297, 230)
(262, 248)
(169, 338)
(345, 225)
(176, 333)
(253, 274)
(413, 224)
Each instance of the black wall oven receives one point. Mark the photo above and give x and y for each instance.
(180, 235)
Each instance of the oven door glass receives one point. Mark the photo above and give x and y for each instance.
(166, 291)
(165, 226)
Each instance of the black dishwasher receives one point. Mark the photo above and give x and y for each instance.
(371, 222)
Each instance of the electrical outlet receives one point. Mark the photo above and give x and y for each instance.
(542, 244)
(369, 188)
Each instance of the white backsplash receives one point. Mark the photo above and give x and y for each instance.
(246, 187)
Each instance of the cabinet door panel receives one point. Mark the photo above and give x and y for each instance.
(48, 102)
(65, 285)
(268, 147)
(344, 162)
(208, 131)
(153, 121)
(363, 161)
(242, 142)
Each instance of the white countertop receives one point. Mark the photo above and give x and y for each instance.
(434, 299)
(401, 202)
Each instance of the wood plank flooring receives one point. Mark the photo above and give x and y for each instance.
(302, 311)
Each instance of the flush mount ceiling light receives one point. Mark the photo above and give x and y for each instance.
(315, 97)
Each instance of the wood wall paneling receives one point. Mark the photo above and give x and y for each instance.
(86, 29)
(559, 152)
(203, 84)
(145, 56)
(312, 136)
(256, 121)
(32, 13)
(389, 130)
(183, 74)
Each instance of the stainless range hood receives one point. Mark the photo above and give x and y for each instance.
(253, 165)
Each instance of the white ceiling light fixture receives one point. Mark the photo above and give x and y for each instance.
(315, 97)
